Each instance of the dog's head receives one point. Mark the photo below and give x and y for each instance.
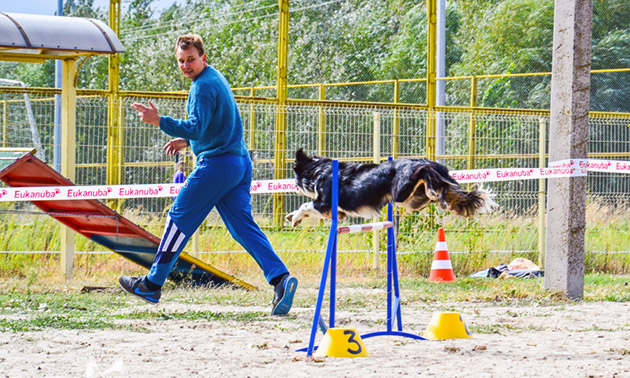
(307, 172)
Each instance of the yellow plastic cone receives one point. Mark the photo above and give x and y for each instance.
(341, 342)
(447, 325)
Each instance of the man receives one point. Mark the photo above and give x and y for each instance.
(221, 178)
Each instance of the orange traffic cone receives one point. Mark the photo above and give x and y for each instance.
(441, 269)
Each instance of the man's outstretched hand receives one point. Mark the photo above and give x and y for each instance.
(148, 114)
(175, 145)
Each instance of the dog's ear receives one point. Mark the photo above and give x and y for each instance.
(300, 155)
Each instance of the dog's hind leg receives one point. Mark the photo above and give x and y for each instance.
(429, 186)
(440, 186)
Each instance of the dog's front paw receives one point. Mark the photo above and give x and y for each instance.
(294, 218)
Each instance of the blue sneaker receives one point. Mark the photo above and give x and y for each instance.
(137, 287)
(283, 295)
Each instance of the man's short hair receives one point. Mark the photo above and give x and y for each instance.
(190, 40)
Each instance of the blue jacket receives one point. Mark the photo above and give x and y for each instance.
(214, 125)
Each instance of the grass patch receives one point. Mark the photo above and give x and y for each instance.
(42, 322)
(243, 317)
(501, 329)
(63, 310)
(489, 329)
(33, 306)
(620, 351)
(60, 302)
(302, 248)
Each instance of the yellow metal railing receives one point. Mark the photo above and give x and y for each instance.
(281, 115)
(322, 99)
(115, 121)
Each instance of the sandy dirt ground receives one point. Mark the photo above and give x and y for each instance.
(582, 339)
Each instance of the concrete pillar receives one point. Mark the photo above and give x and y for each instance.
(68, 154)
(568, 139)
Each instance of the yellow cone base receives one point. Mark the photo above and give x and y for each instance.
(447, 325)
(341, 342)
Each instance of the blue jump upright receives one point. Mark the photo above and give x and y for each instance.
(330, 262)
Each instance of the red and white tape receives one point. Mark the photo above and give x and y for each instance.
(556, 169)
(273, 186)
(48, 193)
(565, 168)
(364, 227)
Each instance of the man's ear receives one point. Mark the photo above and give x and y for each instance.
(204, 58)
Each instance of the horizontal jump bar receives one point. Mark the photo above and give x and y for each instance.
(364, 227)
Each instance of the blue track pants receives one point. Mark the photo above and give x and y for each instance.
(223, 181)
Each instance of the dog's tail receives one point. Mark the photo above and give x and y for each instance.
(441, 188)
(469, 204)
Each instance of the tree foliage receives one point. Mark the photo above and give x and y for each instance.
(354, 41)
(335, 41)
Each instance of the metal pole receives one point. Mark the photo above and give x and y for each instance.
(328, 262)
(396, 124)
(472, 124)
(57, 127)
(542, 191)
(321, 124)
(5, 122)
(115, 113)
(440, 71)
(431, 54)
(252, 122)
(333, 255)
(281, 114)
(377, 159)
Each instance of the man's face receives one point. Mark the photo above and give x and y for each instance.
(190, 63)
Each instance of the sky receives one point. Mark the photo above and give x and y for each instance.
(49, 7)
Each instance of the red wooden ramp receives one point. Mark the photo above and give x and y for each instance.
(97, 222)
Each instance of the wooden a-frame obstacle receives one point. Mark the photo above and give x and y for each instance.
(330, 262)
(101, 224)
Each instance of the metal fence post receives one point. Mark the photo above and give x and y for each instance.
(281, 114)
(472, 124)
(252, 122)
(321, 124)
(5, 110)
(542, 192)
(396, 124)
(431, 72)
(377, 159)
(115, 114)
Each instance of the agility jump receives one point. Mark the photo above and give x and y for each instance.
(330, 260)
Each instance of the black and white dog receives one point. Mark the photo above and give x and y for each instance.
(365, 188)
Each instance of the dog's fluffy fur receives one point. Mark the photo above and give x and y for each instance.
(365, 188)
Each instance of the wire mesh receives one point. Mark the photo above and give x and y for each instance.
(368, 51)
(347, 133)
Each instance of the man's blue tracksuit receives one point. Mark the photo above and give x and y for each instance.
(221, 178)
